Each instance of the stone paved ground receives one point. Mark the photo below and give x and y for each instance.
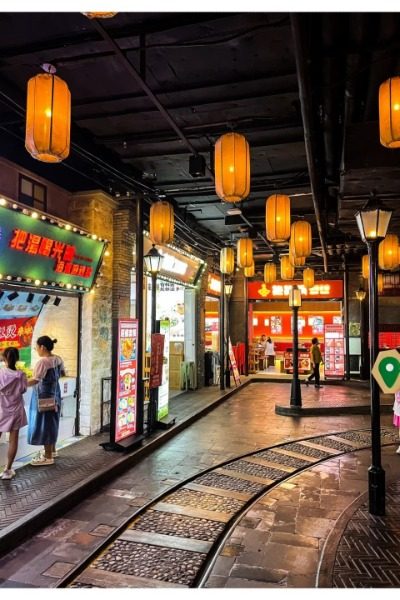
(244, 423)
(280, 541)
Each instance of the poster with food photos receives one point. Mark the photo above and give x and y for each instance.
(126, 381)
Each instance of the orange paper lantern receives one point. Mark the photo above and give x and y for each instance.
(277, 218)
(287, 269)
(389, 113)
(227, 261)
(99, 15)
(244, 253)
(388, 253)
(48, 118)
(308, 278)
(162, 222)
(269, 272)
(301, 239)
(365, 266)
(232, 167)
(250, 271)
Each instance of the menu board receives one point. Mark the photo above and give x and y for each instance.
(232, 360)
(303, 360)
(334, 351)
(126, 384)
(163, 390)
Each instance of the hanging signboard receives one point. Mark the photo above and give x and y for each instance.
(278, 290)
(124, 422)
(232, 360)
(334, 351)
(163, 390)
(18, 318)
(40, 253)
(156, 360)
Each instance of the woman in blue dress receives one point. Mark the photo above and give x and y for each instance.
(43, 426)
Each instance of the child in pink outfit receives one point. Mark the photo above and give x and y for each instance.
(396, 415)
(13, 384)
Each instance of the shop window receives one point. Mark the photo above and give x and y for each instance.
(32, 193)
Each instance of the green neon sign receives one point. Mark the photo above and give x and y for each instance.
(33, 250)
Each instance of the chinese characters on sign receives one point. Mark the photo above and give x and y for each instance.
(156, 363)
(280, 291)
(126, 376)
(63, 254)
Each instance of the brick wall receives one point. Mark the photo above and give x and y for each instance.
(94, 211)
(123, 247)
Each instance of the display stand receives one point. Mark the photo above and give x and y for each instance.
(123, 422)
(334, 351)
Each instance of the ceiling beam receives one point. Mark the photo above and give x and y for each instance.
(134, 74)
(302, 66)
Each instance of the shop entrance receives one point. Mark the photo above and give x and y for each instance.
(24, 316)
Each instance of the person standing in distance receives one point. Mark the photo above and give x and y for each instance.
(43, 426)
(316, 360)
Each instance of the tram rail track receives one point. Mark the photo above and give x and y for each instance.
(174, 540)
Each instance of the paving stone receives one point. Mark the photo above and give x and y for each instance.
(230, 483)
(302, 449)
(243, 466)
(102, 530)
(204, 501)
(289, 461)
(179, 525)
(143, 560)
(329, 443)
(58, 569)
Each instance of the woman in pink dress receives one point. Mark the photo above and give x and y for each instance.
(13, 384)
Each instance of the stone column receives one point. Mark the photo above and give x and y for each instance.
(124, 240)
(94, 212)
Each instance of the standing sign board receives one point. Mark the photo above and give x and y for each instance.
(232, 360)
(163, 390)
(157, 359)
(334, 351)
(124, 414)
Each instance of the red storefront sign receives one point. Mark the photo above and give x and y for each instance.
(157, 358)
(16, 332)
(279, 290)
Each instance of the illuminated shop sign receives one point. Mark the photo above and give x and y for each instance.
(214, 285)
(178, 266)
(280, 290)
(36, 252)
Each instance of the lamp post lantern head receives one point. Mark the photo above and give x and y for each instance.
(361, 293)
(228, 289)
(373, 221)
(153, 261)
(295, 297)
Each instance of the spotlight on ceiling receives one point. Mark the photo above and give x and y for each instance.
(30, 297)
(45, 299)
(197, 165)
(57, 301)
(13, 295)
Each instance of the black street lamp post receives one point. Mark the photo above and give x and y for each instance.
(373, 222)
(153, 264)
(295, 304)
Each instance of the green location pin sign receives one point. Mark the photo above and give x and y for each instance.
(389, 368)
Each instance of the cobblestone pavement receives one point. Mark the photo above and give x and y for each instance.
(182, 559)
(243, 424)
(295, 536)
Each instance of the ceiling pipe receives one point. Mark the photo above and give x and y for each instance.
(309, 133)
(140, 81)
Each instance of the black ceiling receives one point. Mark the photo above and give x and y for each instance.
(302, 89)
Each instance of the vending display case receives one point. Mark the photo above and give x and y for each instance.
(334, 351)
